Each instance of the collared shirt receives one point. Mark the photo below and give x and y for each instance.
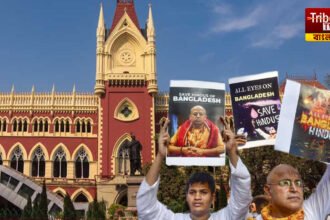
(149, 208)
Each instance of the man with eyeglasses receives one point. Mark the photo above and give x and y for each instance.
(197, 136)
(285, 188)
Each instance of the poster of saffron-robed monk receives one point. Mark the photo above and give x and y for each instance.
(304, 126)
(256, 107)
(194, 111)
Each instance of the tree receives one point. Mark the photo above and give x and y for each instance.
(27, 212)
(113, 210)
(96, 210)
(221, 200)
(43, 203)
(40, 205)
(35, 209)
(171, 192)
(261, 160)
(69, 212)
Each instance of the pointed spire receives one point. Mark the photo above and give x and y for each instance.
(53, 89)
(150, 26)
(74, 88)
(124, 7)
(101, 23)
(12, 88)
(33, 89)
(150, 18)
(101, 17)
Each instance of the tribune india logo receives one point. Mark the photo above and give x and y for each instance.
(317, 24)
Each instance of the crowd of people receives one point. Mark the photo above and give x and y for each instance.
(283, 197)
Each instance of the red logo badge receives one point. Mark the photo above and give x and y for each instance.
(317, 24)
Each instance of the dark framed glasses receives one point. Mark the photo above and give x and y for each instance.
(288, 183)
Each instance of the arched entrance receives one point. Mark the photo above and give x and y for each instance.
(121, 198)
(123, 163)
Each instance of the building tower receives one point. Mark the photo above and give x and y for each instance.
(126, 84)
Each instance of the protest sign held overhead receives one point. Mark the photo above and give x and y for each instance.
(194, 111)
(304, 126)
(256, 107)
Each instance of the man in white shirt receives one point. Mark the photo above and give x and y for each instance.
(285, 188)
(200, 192)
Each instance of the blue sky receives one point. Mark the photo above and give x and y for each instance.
(45, 42)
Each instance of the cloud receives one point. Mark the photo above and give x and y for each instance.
(288, 31)
(232, 23)
(278, 36)
(222, 9)
(206, 57)
(268, 24)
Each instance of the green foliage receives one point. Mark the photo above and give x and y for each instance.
(35, 209)
(43, 203)
(9, 213)
(40, 205)
(27, 212)
(96, 210)
(261, 160)
(59, 215)
(114, 210)
(69, 212)
(171, 189)
(221, 197)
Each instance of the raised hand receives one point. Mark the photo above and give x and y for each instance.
(228, 123)
(163, 139)
(230, 140)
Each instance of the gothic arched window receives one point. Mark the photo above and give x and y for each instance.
(89, 127)
(38, 163)
(17, 162)
(46, 125)
(15, 125)
(82, 164)
(19, 125)
(81, 198)
(62, 126)
(41, 125)
(57, 126)
(35, 125)
(25, 125)
(123, 163)
(60, 164)
(4, 125)
(78, 126)
(67, 126)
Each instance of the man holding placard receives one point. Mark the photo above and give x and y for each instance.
(200, 190)
(285, 188)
